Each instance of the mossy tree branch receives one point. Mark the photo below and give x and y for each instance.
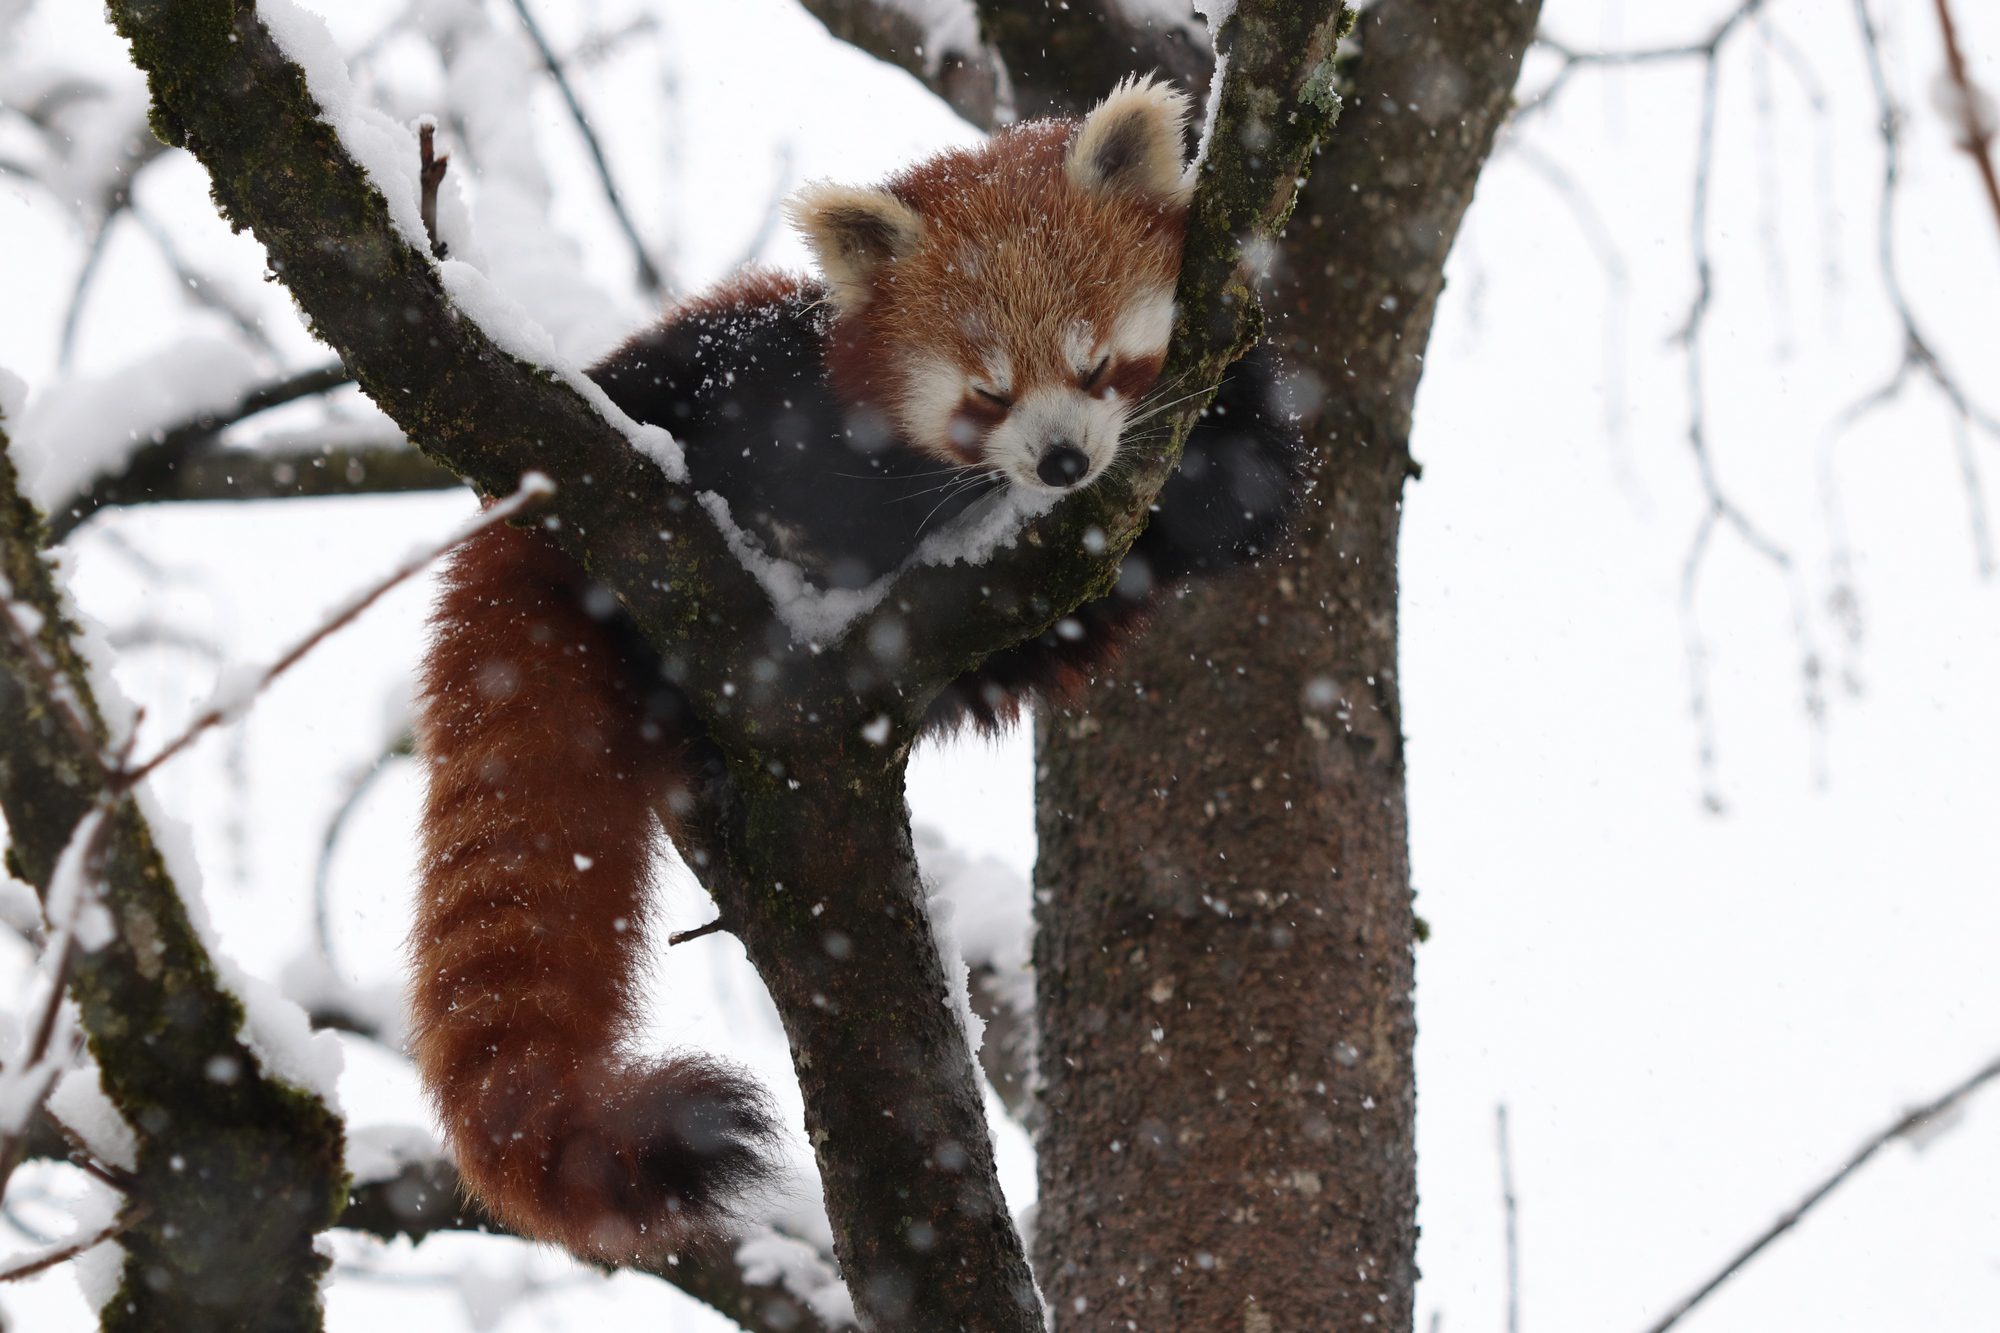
(237, 1170)
(813, 863)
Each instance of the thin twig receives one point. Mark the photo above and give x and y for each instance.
(1707, 49)
(402, 747)
(430, 174)
(683, 936)
(1902, 1126)
(28, 1265)
(534, 487)
(1975, 128)
(204, 290)
(649, 276)
(1917, 354)
(54, 1042)
(1507, 1205)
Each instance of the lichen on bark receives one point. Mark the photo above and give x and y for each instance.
(237, 1169)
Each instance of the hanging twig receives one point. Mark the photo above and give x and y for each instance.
(53, 1043)
(649, 275)
(1901, 1127)
(1507, 1206)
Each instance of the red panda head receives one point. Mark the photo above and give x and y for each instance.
(1008, 306)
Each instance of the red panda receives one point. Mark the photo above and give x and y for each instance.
(992, 317)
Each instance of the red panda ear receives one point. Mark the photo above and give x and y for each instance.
(1131, 143)
(853, 233)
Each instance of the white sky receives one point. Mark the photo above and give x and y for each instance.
(1691, 1016)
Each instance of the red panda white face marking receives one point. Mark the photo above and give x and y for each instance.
(1007, 307)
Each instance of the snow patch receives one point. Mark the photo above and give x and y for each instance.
(386, 150)
(819, 616)
(20, 909)
(769, 1259)
(13, 395)
(98, 1272)
(80, 1104)
(379, 1152)
(507, 322)
(276, 1030)
(86, 428)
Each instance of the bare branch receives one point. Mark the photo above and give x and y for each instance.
(53, 1044)
(1705, 49)
(1919, 356)
(401, 748)
(1507, 1206)
(204, 290)
(231, 704)
(304, 470)
(141, 149)
(1903, 1126)
(649, 275)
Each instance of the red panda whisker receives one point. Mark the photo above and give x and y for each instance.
(958, 480)
(903, 476)
(1156, 409)
(992, 479)
(1161, 389)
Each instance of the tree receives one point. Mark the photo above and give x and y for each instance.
(1260, 944)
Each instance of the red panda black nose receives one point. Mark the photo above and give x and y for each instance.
(1063, 465)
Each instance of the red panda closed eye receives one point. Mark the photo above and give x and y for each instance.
(992, 317)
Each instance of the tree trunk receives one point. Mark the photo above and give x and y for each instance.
(1224, 946)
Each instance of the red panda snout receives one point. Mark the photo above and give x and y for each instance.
(1056, 439)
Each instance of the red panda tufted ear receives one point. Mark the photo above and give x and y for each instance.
(853, 233)
(1131, 143)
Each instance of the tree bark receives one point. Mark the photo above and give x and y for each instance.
(1224, 947)
(237, 1169)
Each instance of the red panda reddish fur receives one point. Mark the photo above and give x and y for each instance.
(1038, 268)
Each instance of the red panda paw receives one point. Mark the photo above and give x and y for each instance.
(633, 1164)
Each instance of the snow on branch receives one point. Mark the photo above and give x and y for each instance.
(92, 443)
(769, 1284)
